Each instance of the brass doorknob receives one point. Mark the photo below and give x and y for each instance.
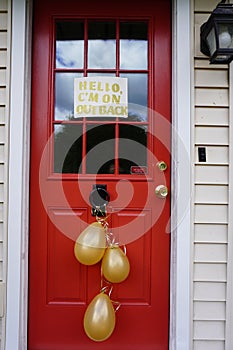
(161, 191)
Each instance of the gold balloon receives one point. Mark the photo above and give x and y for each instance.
(115, 264)
(90, 246)
(99, 319)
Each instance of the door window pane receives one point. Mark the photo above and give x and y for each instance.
(137, 97)
(64, 95)
(99, 55)
(132, 147)
(133, 45)
(100, 149)
(101, 45)
(69, 44)
(68, 148)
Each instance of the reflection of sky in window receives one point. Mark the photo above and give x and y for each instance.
(64, 95)
(58, 129)
(133, 54)
(69, 54)
(137, 93)
(101, 54)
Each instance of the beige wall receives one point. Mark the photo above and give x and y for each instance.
(211, 84)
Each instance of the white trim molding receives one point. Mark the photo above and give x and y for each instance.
(180, 292)
(18, 199)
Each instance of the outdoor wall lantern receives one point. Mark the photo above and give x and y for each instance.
(217, 34)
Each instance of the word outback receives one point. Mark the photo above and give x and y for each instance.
(98, 97)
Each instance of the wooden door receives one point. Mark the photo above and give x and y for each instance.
(69, 155)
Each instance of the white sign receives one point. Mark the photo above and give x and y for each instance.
(100, 97)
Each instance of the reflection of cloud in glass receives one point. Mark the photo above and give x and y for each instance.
(58, 129)
(62, 113)
(64, 100)
(133, 54)
(137, 94)
(64, 95)
(101, 53)
(69, 54)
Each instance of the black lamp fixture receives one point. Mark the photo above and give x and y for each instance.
(217, 34)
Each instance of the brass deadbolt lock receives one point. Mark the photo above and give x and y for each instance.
(161, 191)
(162, 165)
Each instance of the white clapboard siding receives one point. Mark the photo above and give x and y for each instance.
(215, 154)
(211, 233)
(211, 194)
(209, 291)
(205, 5)
(3, 40)
(212, 310)
(211, 213)
(211, 78)
(3, 21)
(1, 231)
(204, 63)
(211, 174)
(2, 153)
(3, 5)
(3, 77)
(3, 59)
(210, 250)
(211, 135)
(209, 330)
(210, 272)
(4, 116)
(205, 116)
(209, 345)
(211, 97)
(2, 95)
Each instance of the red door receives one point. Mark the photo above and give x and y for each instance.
(69, 155)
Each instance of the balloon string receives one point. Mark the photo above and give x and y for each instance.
(111, 240)
(104, 289)
(118, 305)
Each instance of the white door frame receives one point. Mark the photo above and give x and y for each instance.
(182, 178)
(18, 196)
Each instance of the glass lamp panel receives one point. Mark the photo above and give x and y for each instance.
(69, 44)
(211, 41)
(101, 45)
(225, 35)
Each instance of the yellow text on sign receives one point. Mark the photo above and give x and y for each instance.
(104, 96)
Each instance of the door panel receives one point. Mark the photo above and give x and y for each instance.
(68, 156)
